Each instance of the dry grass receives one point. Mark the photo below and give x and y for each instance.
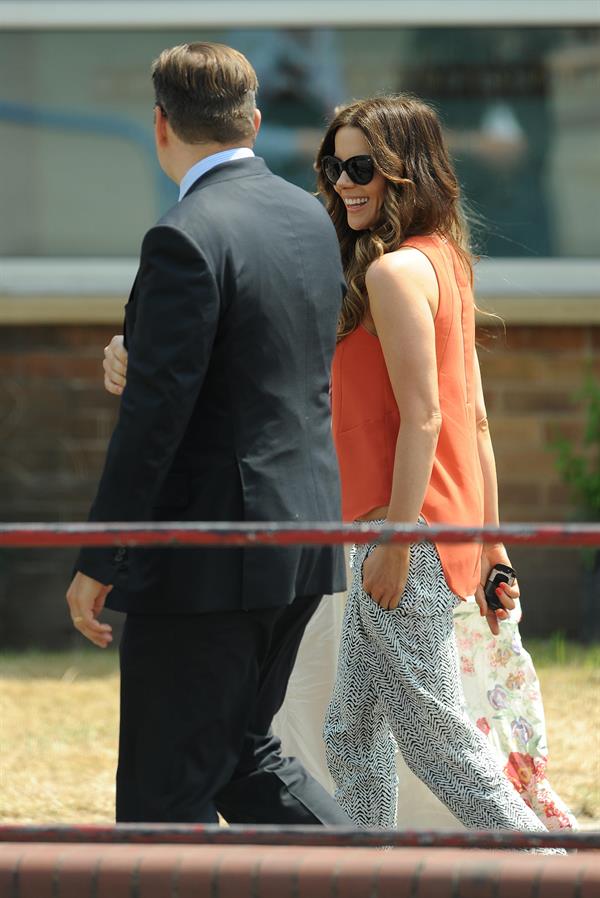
(58, 740)
(58, 732)
(572, 705)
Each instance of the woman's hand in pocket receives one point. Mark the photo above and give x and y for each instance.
(385, 572)
(115, 366)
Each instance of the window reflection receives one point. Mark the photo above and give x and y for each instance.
(520, 106)
(499, 93)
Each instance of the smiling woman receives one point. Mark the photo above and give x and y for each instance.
(410, 427)
(404, 185)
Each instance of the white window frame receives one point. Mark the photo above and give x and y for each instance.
(280, 13)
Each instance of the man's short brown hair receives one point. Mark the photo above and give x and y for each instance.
(207, 92)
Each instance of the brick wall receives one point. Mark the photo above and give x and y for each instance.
(531, 379)
(55, 419)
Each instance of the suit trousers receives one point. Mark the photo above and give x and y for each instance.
(198, 694)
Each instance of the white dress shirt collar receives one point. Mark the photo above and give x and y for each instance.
(205, 165)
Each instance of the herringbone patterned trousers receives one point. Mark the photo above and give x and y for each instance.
(398, 682)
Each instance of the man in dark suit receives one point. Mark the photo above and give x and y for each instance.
(230, 329)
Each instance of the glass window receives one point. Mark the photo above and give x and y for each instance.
(519, 104)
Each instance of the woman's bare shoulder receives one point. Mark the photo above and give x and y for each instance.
(404, 268)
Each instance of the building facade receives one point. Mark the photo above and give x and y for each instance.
(517, 90)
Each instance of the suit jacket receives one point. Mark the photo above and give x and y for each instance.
(230, 328)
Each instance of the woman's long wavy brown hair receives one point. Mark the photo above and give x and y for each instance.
(422, 195)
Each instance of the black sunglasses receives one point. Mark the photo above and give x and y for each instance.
(359, 169)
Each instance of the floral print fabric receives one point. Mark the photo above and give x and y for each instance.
(503, 697)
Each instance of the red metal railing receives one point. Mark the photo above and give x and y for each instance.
(26, 535)
(314, 836)
(224, 534)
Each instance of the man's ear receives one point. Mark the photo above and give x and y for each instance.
(256, 120)
(160, 127)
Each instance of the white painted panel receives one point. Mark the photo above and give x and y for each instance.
(311, 13)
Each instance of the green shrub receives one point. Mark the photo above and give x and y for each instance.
(580, 466)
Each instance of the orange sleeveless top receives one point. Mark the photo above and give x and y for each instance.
(366, 420)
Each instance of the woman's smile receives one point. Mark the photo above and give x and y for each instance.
(355, 203)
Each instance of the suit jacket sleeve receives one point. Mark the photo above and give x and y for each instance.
(177, 313)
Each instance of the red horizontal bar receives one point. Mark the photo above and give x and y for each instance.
(33, 535)
(211, 834)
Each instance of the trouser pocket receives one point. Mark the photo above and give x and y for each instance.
(426, 591)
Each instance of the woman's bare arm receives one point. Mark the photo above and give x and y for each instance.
(399, 296)
(492, 552)
(403, 299)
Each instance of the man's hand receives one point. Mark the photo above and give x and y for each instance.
(115, 366)
(505, 593)
(385, 572)
(86, 599)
